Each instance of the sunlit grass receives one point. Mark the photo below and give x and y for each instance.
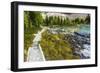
(55, 48)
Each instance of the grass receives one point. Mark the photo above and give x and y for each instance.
(53, 45)
(55, 48)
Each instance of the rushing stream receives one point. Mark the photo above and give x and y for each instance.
(85, 31)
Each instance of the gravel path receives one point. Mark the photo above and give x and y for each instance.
(35, 52)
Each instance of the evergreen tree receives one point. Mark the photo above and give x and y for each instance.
(87, 20)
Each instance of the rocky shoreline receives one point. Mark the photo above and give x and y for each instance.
(80, 44)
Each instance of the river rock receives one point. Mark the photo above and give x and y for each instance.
(80, 44)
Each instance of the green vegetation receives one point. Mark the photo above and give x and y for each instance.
(32, 21)
(57, 20)
(55, 48)
(53, 45)
(28, 37)
(87, 19)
